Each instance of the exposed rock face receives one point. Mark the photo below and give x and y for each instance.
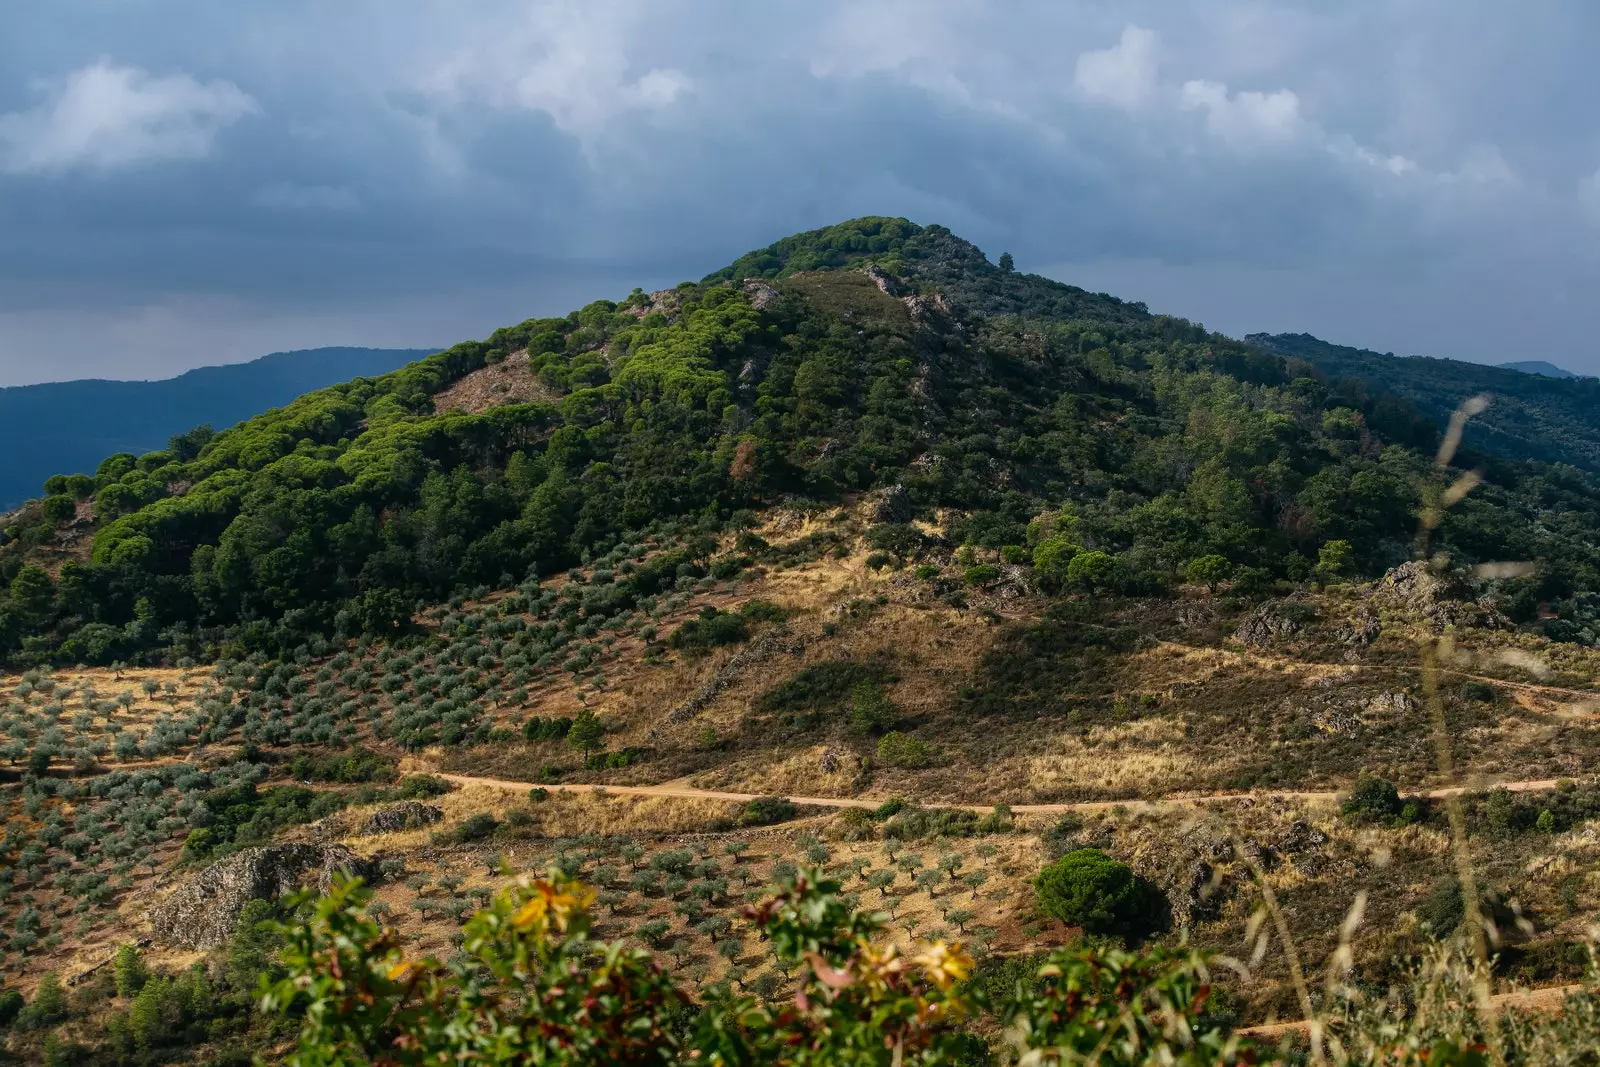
(1187, 873)
(203, 911)
(1266, 624)
(1442, 599)
(892, 505)
(1362, 630)
(761, 294)
(407, 815)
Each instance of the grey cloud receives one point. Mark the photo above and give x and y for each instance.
(395, 166)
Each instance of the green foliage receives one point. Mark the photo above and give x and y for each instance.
(1208, 570)
(48, 1006)
(1335, 560)
(422, 786)
(821, 686)
(577, 1001)
(474, 828)
(587, 732)
(871, 710)
(358, 765)
(980, 574)
(11, 1005)
(713, 628)
(764, 811)
(555, 729)
(1090, 571)
(128, 970)
(535, 986)
(1088, 888)
(336, 514)
(896, 749)
(1372, 799)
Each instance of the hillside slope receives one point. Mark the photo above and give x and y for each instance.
(64, 427)
(991, 567)
(1545, 416)
(873, 354)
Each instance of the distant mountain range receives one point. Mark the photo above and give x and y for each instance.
(1539, 366)
(1537, 410)
(68, 427)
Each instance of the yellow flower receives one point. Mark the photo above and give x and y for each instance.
(551, 903)
(944, 964)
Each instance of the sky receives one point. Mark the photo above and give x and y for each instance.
(184, 182)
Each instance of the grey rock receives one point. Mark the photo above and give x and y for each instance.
(1266, 624)
(761, 294)
(1299, 838)
(892, 505)
(203, 912)
(1362, 630)
(407, 815)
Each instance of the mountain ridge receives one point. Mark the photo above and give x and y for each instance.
(1530, 416)
(138, 415)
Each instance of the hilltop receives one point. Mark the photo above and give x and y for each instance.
(862, 552)
(66, 427)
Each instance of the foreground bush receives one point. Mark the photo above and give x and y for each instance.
(533, 987)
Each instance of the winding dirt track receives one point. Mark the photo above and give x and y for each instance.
(672, 789)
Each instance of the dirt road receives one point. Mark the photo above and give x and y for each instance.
(675, 789)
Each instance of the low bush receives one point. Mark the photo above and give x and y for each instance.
(764, 811)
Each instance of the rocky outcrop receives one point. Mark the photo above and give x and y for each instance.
(760, 293)
(1268, 623)
(407, 815)
(1441, 599)
(1360, 631)
(1186, 871)
(892, 505)
(203, 912)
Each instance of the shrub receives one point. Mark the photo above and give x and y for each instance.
(422, 786)
(1372, 799)
(764, 811)
(821, 685)
(981, 574)
(1090, 889)
(355, 992)
(49, 1004)
(711, 629)
(896, 749)
(871, 710)
(538, 729)
(479, 827)
(129, 971)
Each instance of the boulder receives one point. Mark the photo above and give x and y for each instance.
(407, 815)
(203, 912)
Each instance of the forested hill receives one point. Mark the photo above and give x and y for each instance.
(72, 426)
(1534, 414)
(875, 353)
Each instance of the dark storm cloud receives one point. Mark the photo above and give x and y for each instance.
(183, 183)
